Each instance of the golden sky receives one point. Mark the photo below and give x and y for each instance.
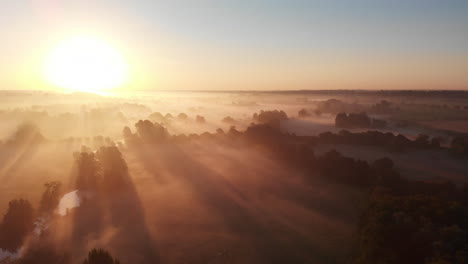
(247, 45)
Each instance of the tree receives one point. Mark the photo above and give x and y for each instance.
(228, 120)
(151, 132)
(412, 229)
(26, 134)
(200, 119)
(88, 170)
(399, 143)
(341, 120)
(353, 120)
(182, 116)
(359, 120)
(303, 113)
(273, 117)
(334, 166)
(435, 142)
(385, 173)
(156, 117)
(458, 146)
(100, 256)
(16, 224)
(50, 198)
(379, 123)
(114, 168)
(422, 140)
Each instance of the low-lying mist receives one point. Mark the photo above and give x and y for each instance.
(201, 177)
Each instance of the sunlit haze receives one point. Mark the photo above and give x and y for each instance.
(234, 132)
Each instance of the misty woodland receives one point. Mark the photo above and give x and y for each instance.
(234, 177)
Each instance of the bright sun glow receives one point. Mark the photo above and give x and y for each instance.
(86, 64)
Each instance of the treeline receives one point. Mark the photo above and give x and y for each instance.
(358, 120)
(103, 173)
(404, 221)
(459, 146)
(436, 94)
(147, 131)
(409, 221)
(168, 118)
(22, 220)
(272, 117)
(376, 138)
(335, 106)
(26, 133)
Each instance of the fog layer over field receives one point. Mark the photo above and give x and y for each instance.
(186, 177)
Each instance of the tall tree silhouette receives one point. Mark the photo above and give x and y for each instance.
(88, 171)
(50, 198)
(16, 224)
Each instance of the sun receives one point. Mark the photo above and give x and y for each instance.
(86, 64)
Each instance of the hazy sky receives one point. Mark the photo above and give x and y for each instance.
(254, 44)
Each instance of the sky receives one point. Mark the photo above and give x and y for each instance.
(249, 44)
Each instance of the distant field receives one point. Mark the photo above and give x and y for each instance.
(460, 126)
